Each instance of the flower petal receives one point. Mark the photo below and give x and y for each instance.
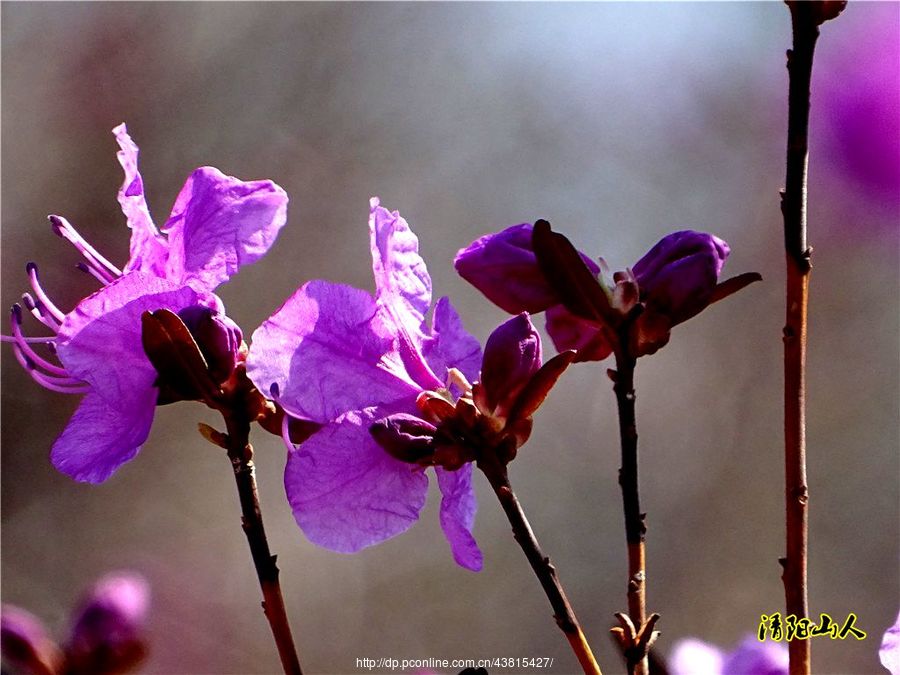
(328, 350)
(458, 507)
(149, 249)
(100, 438)
(450, 345)
(219, 223)
(346, 492)
(572, 332)
(401, 278)
(100, 340)
(503, 266)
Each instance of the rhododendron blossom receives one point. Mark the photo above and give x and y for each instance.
(338, 356)
(217, 225)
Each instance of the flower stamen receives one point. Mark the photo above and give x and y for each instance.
(54, 311)
(64, 229)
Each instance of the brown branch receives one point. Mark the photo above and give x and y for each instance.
(805, 20)
(635, 528)
(540, 563)
(240, 453)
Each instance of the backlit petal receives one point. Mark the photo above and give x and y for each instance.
(346, 492)
(100, 438)
(219, 223)
(328, 350)
(149, 250)
(458, 509)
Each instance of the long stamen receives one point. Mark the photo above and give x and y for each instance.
(68, 385)
(95, 272)
(64, 229)
(39, 312)
(15, 320)
(54, 311)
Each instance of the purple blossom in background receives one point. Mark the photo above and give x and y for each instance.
(673, 282)
(218, 224)
(107, 635)
(335, 355)
(858, 93)
(751, 657)
(890, 648)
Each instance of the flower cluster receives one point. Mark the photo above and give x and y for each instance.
(531, 268)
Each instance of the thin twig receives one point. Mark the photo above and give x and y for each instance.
(793, 208)
(635, 528)
(544, 570)
(240, 453)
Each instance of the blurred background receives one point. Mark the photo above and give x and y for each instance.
(617, 122)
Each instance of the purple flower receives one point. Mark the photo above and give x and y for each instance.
(890, 648)
(673, 282)
(107, 636)
(218, 224)
(338, 356)
(751, 657)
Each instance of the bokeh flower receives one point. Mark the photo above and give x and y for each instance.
(751, 657)
(217, 224)
(108, 633)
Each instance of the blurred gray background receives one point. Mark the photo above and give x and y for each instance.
(618, 123)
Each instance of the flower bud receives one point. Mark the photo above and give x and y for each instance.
(504, 268)
(25, 644)
(404, 437)
(677, 277)
(218, 337)
(108, 635)
(511, 356)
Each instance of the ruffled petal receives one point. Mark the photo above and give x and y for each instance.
(450, 345)
(100, 438)
(346, 492)
(458, 507)
(218, 224)
(572, 332)
(149, 249)
(328, 350)
(100, 340)
(401, 278)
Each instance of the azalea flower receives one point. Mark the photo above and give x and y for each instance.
(751, 657)
(530, 268)
(337, 356)
(107, 634)
(217, 224)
